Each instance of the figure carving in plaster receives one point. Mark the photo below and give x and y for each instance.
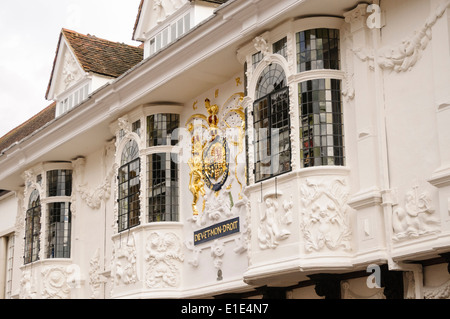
(124, 125)
(70, 70)
(325, 216)
(261, 45)
(125, 262)
(404, 56)
(218, 206)
(163, 251)
(158, 6)
(416, 218)
(27, 286)
(271, 231)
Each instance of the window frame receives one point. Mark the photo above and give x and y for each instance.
(174, 216)
(254, 69)
(129, 156)
(54, 245)
(33, 227)
(257, 139)
(326, 122)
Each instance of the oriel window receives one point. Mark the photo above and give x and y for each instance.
(272, 124)
(59, 216)
(160, 129)
(32, 228)
(129, 187)
(59, 222)
(317, 49)
(321, 131)
(59, 183)
(162, 189)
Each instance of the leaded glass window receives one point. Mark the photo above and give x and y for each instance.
(280, 47)
(318, 49)
(160, 129)
(129, 187)
(32, 228)
(256, 58)
(162, 189)
(59, 183)
(130, 152)
(59, 222)
(272, 78)
(321, 131)
(272, 124)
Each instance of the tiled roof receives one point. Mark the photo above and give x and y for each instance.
(28, 127)
(100, 56)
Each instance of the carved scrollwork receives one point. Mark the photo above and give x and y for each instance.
(56, 282)
(94, 198)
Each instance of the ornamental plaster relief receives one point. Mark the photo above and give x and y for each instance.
(347, 293)
(164, 8)
(95, 279)
(94, 198)
(403, 56)
(416, 217)
(163, 260)
(440, 292)
(55, 282)
(348, 90)
(71, 72)
(28, 285)
(273, 221)
(124, 261)
(406, 54)
(325, 215)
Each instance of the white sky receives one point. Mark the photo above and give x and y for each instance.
(29, 33)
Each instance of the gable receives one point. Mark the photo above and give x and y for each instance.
(66, 72)
(78, 55)
(152, 13)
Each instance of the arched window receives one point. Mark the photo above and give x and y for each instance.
(129, 187)
(32, 228)
(272, 124)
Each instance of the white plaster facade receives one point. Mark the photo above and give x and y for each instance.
(387, 209)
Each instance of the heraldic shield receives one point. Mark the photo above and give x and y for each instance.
(215, 166)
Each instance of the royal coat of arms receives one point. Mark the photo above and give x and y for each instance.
(210, 161)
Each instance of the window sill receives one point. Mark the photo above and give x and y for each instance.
(150, 226)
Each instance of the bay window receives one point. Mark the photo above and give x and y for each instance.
(129, 187)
